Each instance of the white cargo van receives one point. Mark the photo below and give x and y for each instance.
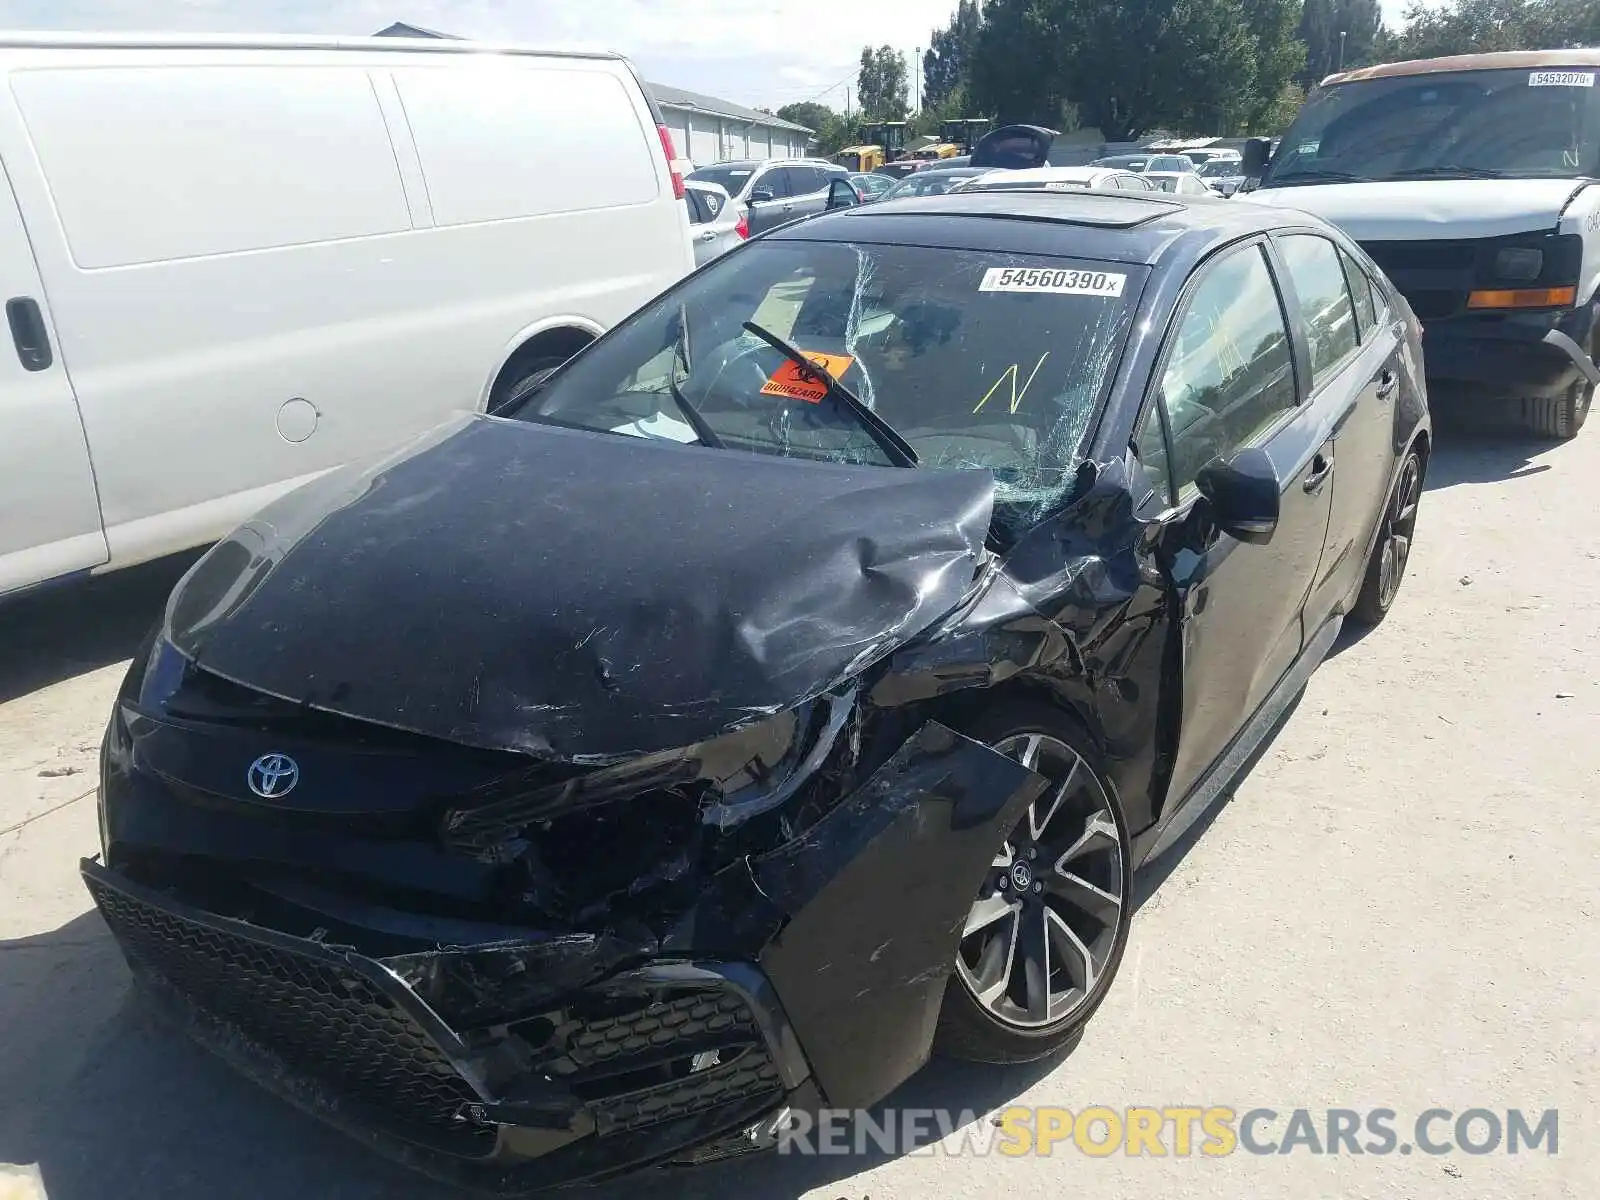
(231, 264)
(1474, 182)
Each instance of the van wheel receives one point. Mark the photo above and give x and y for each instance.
(1559, 417)
(517, 384)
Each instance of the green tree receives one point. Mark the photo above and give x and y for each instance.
(882, 84)
(948, 59)
(1321, 23)
(1020, 59)
(832, 130)
(1212, 66)
(1482, 26)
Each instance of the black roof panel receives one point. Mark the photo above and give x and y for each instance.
(1106, 210)
(1106, 226)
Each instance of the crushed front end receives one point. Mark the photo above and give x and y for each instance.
(515, 975)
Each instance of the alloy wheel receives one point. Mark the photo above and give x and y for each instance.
(1398, 528)
(1044, 927)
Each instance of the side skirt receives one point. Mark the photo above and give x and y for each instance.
(1228, 765)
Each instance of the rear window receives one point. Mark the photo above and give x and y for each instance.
(978, 359)
(731, 179)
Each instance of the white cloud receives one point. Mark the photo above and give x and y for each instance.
(753, 52)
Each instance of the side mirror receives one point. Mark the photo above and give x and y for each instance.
(761, 196)
(842, 194)
(1257, 151)
(1242, 495)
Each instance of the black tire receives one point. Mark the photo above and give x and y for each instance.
(509, 391)
(969, 1030)
(1558, 417)
(1386, 568)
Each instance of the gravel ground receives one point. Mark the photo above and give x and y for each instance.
(1396, 908)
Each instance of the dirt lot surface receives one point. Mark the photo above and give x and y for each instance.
(1396, 908)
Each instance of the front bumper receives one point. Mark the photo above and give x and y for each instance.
(516, 1060)
(653, 1064)
(1494, 356)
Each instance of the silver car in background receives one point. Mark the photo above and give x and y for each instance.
(717, 222)
(1222, 175)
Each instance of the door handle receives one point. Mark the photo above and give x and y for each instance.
(28, 333)
(1321, 468)
(1387, 382)
(707, 236)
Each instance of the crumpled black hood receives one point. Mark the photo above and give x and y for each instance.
(575, 595)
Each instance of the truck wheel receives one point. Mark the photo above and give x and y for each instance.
(1558, 417)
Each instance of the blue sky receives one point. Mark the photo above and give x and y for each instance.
(757, 52)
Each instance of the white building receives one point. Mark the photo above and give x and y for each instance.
(709, 130)
(704, 129)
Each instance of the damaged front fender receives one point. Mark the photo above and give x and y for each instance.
(875, 894)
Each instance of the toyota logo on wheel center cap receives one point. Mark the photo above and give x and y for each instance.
(1022, 875)
(273, 775)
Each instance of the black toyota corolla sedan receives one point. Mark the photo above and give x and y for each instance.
(786, 688)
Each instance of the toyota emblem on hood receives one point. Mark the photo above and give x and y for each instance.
(273, 775)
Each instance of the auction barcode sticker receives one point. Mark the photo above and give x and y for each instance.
(1560, 78)
(1054, 281)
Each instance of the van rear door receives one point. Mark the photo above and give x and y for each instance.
(49, 510)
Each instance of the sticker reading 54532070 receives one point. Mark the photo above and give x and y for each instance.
(1053, 280)
(1560, 78)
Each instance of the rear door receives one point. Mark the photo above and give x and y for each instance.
(765, 214)
(808, 187)
(49, 510)
(1230, 379)
(1354, 376)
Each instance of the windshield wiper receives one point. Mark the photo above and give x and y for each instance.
(890, 442)
(691, 414)
(1448, 173)
(1319, 177)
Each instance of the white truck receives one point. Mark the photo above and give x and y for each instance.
(1474, 182)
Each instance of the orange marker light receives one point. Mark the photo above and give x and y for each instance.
(1558, 297)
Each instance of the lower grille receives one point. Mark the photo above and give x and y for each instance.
(671, 1058)
(328, 1024)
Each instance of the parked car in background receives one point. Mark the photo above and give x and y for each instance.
(774, 190)
(899, 170)
(364, 236)
(1182, 183)
(934, 181)
(1060, 179)
(870, 185)
(537, 829)
(1201, 157)
(1222, 175)
(716, 223)
(1159, 163)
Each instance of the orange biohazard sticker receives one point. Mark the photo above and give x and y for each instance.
(794, 382)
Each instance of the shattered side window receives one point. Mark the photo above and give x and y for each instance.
(978, 359)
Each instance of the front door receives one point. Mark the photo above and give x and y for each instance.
(1229, 381)
(49, 511)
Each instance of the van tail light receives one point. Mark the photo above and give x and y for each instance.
(672, 161)
(743, 227)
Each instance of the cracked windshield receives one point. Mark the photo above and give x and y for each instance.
(969, 359)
